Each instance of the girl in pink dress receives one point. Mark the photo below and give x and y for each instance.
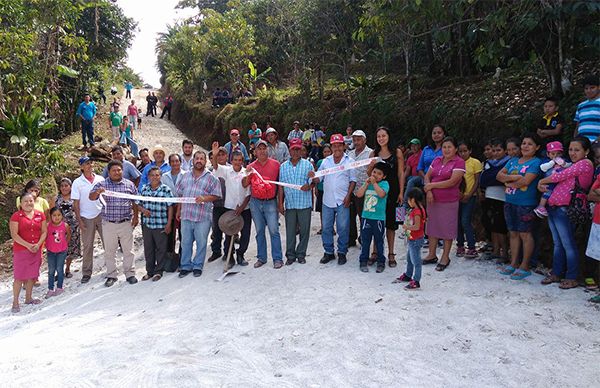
(57, 245)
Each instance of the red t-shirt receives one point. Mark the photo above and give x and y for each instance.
(413, 162)
(269, 171)
(420, 233)
(30, 230)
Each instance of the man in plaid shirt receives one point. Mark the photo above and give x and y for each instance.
(296, 205)
(196, 218)
(156, 224)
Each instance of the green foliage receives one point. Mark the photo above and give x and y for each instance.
(26, 128)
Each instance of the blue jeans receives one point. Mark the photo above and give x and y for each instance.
(194, 231)
(465, 227)
(341, 216)
(413, 259)
(87, 130)
(371, 229)
(264, 214)
(413, 181)
(565, 260)
(56, 266)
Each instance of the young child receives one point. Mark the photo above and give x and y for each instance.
(139, 118)
(375, 191)
(487, 151)
(57, 244)
(554, 150)
(551, 126)
(467, 202)
(115, 119)
(319, 188)
(587, 116)
(414, 226)
(513, 147)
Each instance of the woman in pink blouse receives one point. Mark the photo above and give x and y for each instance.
(442, 183)
(565, 264)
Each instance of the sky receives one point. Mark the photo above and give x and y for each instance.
(152, 17)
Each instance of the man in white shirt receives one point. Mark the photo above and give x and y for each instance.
(237, 197)
(360, 152)
(337, 195)
(187, 157)
(87, 213)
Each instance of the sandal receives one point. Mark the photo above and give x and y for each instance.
(566, 284)
(33, 301)
(392, 260)
(508, 270)
(590, 284)
(442, 267)
(68, 275)
(430, 261)
(550, 279)
(520, 274)
(15, 309)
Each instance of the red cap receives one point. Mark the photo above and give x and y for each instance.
(336, 138)
(295, 143)
(234, 132)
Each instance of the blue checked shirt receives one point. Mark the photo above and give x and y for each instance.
(158, 210)
(297, 175)
(117, 209)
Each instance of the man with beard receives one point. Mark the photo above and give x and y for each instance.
(187, 159)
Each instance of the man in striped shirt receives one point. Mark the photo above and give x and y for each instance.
(587, 116)
(196, 218)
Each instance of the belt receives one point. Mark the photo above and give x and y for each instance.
(267, 199)
(120, 221)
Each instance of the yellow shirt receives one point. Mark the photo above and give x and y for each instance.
(40, 204)
(472, 167)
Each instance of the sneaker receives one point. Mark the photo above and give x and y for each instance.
(197, 273)
(364, 267)
(460, 251)
(183, 273)
(109, 282)
(380, 268)
(58, 291)
(413, 285)
(471, 253)
(132, 280)
(342, 259)
(50, 294)
(541, 212)
(327, 257)
(301, 260)
(402, 279)
(85, 279)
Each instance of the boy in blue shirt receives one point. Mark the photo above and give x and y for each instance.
(375, 191)
(587, 116)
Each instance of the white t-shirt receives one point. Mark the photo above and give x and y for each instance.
(235, 193)
(81, 191)
(496, 192)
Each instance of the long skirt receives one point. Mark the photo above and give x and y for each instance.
(442, 220)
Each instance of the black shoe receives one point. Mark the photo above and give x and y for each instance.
(342, 258)
(364, 267)
(85, 279)
(290, 261)
(241, 261)
(109, 282)
(352, 244)
(380, 268)
(301, 260)
(327, 257)
(197, 273)
(132, 280)
(183, 273)
(214, 257)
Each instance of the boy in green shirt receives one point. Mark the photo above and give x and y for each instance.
(115, 120)
(375, 191)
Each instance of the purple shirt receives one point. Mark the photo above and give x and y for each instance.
(442, 172)
(191, 186)
(117, 209)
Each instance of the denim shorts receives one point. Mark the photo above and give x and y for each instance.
(519, 218)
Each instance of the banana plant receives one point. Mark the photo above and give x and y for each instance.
(254, 76)
(25, 128)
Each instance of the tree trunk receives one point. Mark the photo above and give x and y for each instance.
(406, 49)
(432, 68)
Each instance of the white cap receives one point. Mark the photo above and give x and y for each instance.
(270, 130)
(358, 132)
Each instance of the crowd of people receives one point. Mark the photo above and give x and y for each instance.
(373, 196)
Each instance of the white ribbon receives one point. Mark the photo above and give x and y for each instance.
(132, 197)
(346, 166)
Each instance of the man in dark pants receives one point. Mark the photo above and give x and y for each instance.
(360, 152)
(154, 104)
(87, 112)
(218, 210)
(149, 105)
(167, 104)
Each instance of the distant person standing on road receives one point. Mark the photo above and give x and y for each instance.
(154, 104)
(132, 113)
(167, 104)
(128, 87)
(86, 112)
(149, 105)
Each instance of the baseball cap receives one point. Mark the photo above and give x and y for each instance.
(83, 160)
(295, 143)
(234, 132)
(359, 133)
(554, 146)
(297, 122)
(270, 130)
(415, 141)
(336, 138)
(261, 142)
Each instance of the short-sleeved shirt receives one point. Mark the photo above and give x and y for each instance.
(116, 118)
(29, 230)
(442, 172)
(588, 117)
(81, 191)
(413, 163)
(335, 186)
(527, 195)
(159, 211)
(129, 171)
(269, 171)
(187, 165)
(374, 205)
(238, 147)
(279, 152)
(56, 240)
(40, 204)
(551, 122)
(193, 186)
(420, 233)
(297, 175)
(348, 142)
(144, 178)
(361, 172)
(254, 135)
(117, 209)
(236, 192)
(87, 110)
(427, 156)
(132, 110)
(295, 134)
(472, 168)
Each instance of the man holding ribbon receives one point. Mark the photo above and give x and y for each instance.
(196, 218)
(263, 205)
(337, 194)
(294, 204)
(119, 217)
